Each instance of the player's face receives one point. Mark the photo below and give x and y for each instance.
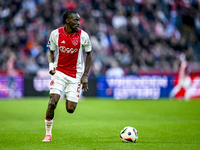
(74, 22)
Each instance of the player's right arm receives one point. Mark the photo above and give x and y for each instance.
(52, 47)
(52, 70)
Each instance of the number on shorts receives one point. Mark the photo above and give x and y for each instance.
(79, 88)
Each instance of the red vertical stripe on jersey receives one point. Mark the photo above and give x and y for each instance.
(68, 45)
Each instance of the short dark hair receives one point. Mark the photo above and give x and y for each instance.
(67, 14)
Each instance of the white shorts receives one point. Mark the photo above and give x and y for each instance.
(61, 82)
(185, 82)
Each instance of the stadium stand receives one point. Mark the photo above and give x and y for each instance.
(138, 35)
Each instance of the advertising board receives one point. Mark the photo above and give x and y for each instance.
(39, 86)
(193, 89)
(11, 87)
(135, 87)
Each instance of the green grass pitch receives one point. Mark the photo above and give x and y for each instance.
(96, 124)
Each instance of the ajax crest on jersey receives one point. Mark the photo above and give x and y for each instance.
(129, 134)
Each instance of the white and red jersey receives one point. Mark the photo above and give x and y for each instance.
(69, 58)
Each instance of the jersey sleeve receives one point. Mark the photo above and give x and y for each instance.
(52, 41)
(86, 42)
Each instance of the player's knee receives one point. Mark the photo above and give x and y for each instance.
(70, 106)
(53, 102)
(52, 105)
(70, 109)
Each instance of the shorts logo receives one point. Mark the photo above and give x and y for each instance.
(49, 43)
(52, 82)
(75, 42)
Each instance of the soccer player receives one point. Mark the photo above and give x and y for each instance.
(184, 80)
(67, 70)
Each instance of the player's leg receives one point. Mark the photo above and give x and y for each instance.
(54, 98)
(176, 89)
(186, 85)
(70, 106)
(56, 88)
(73, 94)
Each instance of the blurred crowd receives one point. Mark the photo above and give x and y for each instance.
(127, 35)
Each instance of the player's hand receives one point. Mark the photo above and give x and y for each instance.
(52, 72)
(84, 82)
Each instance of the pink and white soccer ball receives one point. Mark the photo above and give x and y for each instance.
(129, 134)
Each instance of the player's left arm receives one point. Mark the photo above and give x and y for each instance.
(89, 54)
(84, 79)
